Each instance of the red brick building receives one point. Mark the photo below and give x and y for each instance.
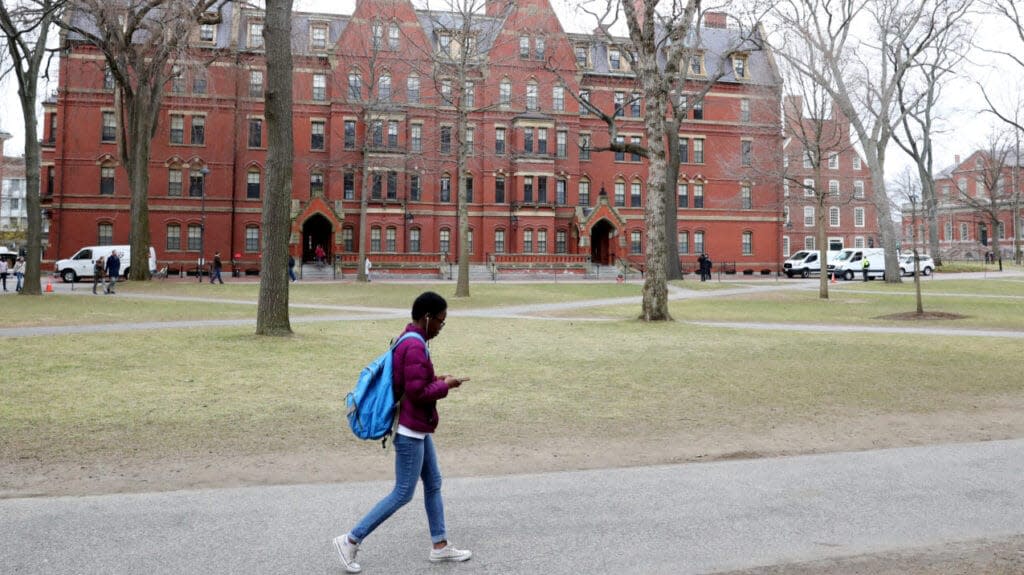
(852, 217)
(371, 107)
(964, 203)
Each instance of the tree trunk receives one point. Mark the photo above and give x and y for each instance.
(364, 205)
(33, 273)
(462, 286)
(888, 236)
(655, 295)
(141, 122)
(272, 316)
(673, 269)
(820, 233)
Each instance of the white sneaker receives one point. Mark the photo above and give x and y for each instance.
(449, 553)
(347, 551)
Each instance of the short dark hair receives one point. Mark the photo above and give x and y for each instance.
(428, 303)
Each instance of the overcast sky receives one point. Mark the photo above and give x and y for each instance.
(967, 127)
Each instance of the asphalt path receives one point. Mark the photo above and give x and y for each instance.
(692, 518)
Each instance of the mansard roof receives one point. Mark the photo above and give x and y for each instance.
(486, 28)
(717, 44)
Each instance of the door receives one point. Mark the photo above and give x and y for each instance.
(316, 231)
(600, 243)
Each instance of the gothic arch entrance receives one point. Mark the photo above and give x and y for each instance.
(600, 242)
(316, 231)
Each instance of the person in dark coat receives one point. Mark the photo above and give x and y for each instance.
(217, 267)
(97, 273)
(113, 270)
(700, 266)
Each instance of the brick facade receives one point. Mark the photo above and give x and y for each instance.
(853, 218)
(539, 199)
(965, 232)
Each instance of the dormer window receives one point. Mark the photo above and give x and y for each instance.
(207, 32)
(697, 64)
(614, 59)
(318, 37)
(256, 35)
(739, 66)
(444, 44)
(582, 56)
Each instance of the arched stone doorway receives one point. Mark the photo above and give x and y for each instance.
(600, 242)
(316, 231)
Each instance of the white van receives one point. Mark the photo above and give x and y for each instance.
(803, 263)
(849, 264)
(806, 262)
(80, 265)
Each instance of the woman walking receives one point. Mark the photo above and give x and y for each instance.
(419, 389)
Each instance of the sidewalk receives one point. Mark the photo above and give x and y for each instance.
(683, 519)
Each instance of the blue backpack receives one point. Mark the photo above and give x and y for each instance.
(371, 407)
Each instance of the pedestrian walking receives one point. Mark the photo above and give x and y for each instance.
(217, 267)
(700, 266)
(367, 267)
(113, 269)
(3, 272)
(415, 458)
(19, 272)
(291, 267)
(864, 267)
(707, 267)
(97, 273)
(320, 255)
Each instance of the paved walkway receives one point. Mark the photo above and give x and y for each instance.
(529, 311)
(680, 519)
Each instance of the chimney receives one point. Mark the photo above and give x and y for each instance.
(715, 20)
(956, 159)
(495, 7)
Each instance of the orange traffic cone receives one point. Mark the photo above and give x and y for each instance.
(833, 277)
(49, 285)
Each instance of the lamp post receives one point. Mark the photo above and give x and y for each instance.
(913, 244)
(407, 217)
(513, 221)
(202, 225)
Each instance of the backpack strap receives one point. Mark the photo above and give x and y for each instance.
(398, 400)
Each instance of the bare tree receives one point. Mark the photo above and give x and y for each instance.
(863, 76)
(1010, 12)
(815, 137)
(26, 28)
(373, 39)
(917, 99)
(992, 195)
(139, 39)
(911, 185)
(272, 315)
(689, 72)
(459, 65)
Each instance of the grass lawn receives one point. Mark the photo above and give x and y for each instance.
(400, 294)
(220, 392)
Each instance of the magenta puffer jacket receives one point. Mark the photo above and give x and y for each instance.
(414, 373)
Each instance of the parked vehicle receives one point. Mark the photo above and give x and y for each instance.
(804, 263)
(925, 263)
(80, 265)
(849, 263)
(8, 255)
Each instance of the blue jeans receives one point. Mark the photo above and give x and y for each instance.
(414, 458)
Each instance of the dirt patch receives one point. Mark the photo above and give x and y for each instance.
(924, 316)
(984, 557)
(364, 461)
